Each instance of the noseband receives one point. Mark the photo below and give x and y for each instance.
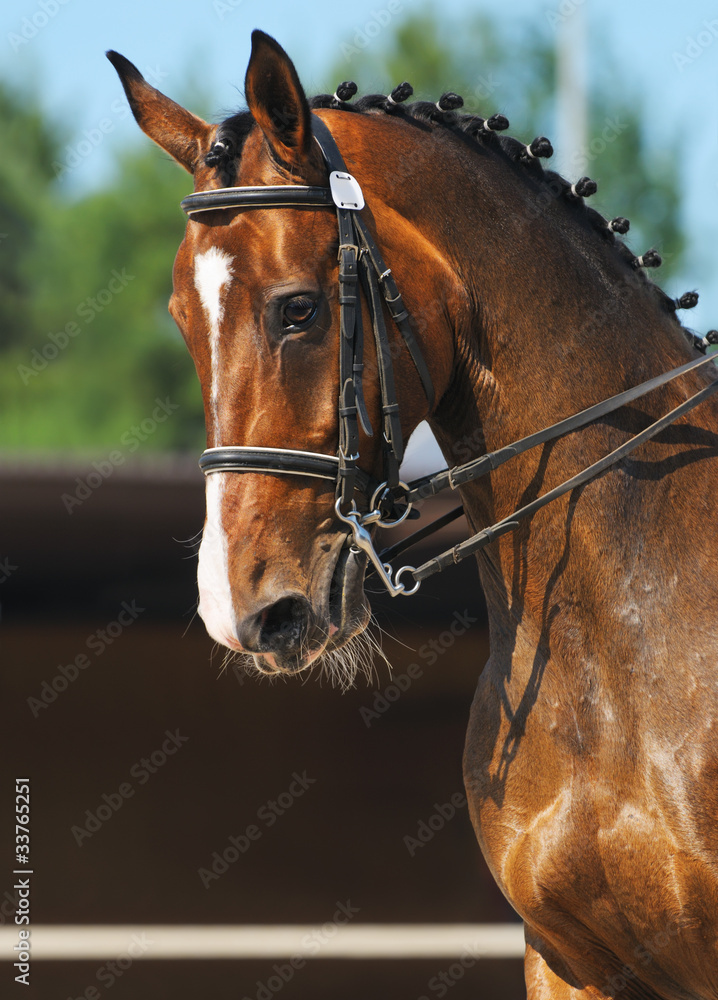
(389, 501)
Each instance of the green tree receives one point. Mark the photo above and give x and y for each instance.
(26, 177)
(95, 346)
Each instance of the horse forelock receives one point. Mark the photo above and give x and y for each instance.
(226, 150)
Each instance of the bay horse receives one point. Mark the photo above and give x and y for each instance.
(591, 763)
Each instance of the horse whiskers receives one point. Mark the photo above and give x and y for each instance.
(193, 554)
(195, 613)
(390, 635)
(342, 666)
(376, 644)
(226, 660)
(193, 542)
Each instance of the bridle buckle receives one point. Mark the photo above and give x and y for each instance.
(349, 246)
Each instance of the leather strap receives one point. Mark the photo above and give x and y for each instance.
(349, 363)
(257, 197)
(397, 309)
(243, 458)
(357, 253)
(357, 247)
(282, 461)
(460, 474)
(392, 442)
(482, 538)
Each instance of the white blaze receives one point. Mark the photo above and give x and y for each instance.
(212, 271)
(212, 275)
(215, 594)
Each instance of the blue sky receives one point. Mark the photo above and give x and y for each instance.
(667, 52)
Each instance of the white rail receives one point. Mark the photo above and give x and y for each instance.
(71, 942)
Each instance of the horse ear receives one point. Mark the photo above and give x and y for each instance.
(180, 133)
(277, 101)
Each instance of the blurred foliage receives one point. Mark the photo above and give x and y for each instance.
(25, 178)
(87, 343)
(99, 265)
(513, 71)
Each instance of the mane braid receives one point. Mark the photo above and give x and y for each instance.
(478, 133)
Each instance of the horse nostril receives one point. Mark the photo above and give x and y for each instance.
(283, 627)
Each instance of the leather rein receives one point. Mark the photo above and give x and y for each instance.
(390, 501)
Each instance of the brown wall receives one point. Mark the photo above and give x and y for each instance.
(373, 779)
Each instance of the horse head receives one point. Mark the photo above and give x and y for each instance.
(258, 299)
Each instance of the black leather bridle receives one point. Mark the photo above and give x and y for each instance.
(390, 501)
(360, 263)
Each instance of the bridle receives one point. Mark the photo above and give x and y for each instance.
(360, 263)
(390, 501)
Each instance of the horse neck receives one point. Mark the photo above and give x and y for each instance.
(557, 321)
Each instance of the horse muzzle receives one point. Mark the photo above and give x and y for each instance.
(293, 627)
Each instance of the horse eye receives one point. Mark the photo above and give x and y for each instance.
(298, 313)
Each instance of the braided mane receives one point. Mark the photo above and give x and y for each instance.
(476, 131)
